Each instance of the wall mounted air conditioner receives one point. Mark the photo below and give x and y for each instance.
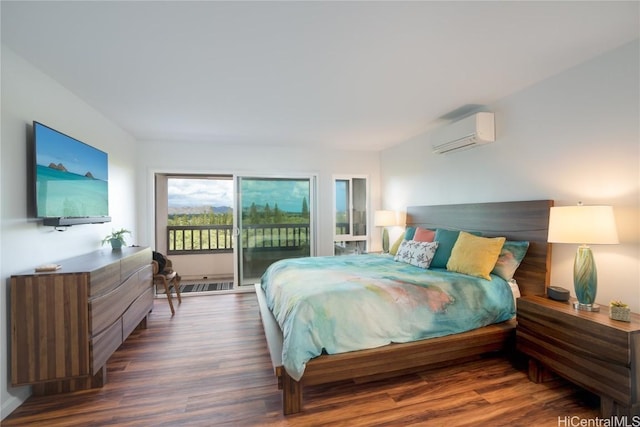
(469, 132)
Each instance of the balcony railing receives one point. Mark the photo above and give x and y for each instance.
(198, 239)
(191, 239)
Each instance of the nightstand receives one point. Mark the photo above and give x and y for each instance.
(587, 348)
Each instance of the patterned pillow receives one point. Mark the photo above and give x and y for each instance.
(415, 253)
(510, 258)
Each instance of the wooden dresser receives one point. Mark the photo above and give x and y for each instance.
(65, 324)
(587, 348)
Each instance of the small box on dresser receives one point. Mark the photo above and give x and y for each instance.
(589, 349)
(620, 313)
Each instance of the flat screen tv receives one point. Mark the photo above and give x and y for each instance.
(71, 179)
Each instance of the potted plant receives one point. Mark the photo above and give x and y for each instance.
(116, 238)
(619, 311)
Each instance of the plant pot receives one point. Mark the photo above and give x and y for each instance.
(116, 244)
(620, 313)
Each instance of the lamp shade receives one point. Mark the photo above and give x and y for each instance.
(384, 218)
(582, 225)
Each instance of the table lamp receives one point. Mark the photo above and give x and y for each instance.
(583, 225)
(385, 219)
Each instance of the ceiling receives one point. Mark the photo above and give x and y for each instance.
(350, 75)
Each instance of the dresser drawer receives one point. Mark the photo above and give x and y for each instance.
(133, 263)
(104, 344)
(104, 310)
(138, 310)
(104, 279)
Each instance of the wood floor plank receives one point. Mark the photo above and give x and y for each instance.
(209, 366)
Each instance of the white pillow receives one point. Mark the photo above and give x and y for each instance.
(415, 253)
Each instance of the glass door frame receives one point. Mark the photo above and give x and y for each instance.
(237, 226)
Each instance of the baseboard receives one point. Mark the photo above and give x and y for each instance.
(14, 401)
(211, 277)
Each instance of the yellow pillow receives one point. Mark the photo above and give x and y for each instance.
(475, 256)
(396, 245)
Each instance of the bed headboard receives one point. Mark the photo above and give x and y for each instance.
(526, 220)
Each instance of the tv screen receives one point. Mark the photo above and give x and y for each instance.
(71, 177)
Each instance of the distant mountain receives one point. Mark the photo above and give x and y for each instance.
(222, 209)
(194, 210)
(59, 167)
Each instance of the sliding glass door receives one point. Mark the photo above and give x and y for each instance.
(274, 222)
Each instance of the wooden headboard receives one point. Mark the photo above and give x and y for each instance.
(526, 220)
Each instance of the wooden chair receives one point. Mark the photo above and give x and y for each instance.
(167, 278)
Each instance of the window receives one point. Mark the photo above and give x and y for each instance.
(350, 214)
(200, 214)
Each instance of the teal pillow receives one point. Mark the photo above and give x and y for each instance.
(510, 258)
(409, 233)
(446, 239)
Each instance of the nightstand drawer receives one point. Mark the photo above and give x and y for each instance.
(599, 354)
(581, 333)
(583, 368)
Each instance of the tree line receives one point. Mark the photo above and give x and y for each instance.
(254, 214)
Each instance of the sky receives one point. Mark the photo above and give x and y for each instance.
(200, 192)
(287, 193)
(76, 156)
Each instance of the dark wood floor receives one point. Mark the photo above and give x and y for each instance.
(209, 366)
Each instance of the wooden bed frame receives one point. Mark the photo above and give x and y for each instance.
(526, 220)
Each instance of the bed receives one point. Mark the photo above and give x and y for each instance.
(515, 221)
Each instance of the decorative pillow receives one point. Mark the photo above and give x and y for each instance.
(394, 248)
(511, 256)
(446, 239)
(409, 233)
(415, 253)
(424, 235)
(475, 256)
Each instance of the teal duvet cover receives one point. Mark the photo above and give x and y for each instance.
(346, 303)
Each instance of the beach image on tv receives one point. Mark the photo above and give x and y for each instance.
(71, 177)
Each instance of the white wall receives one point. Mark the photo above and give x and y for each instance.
(29, 95)
(573, 137)
(216, 157)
